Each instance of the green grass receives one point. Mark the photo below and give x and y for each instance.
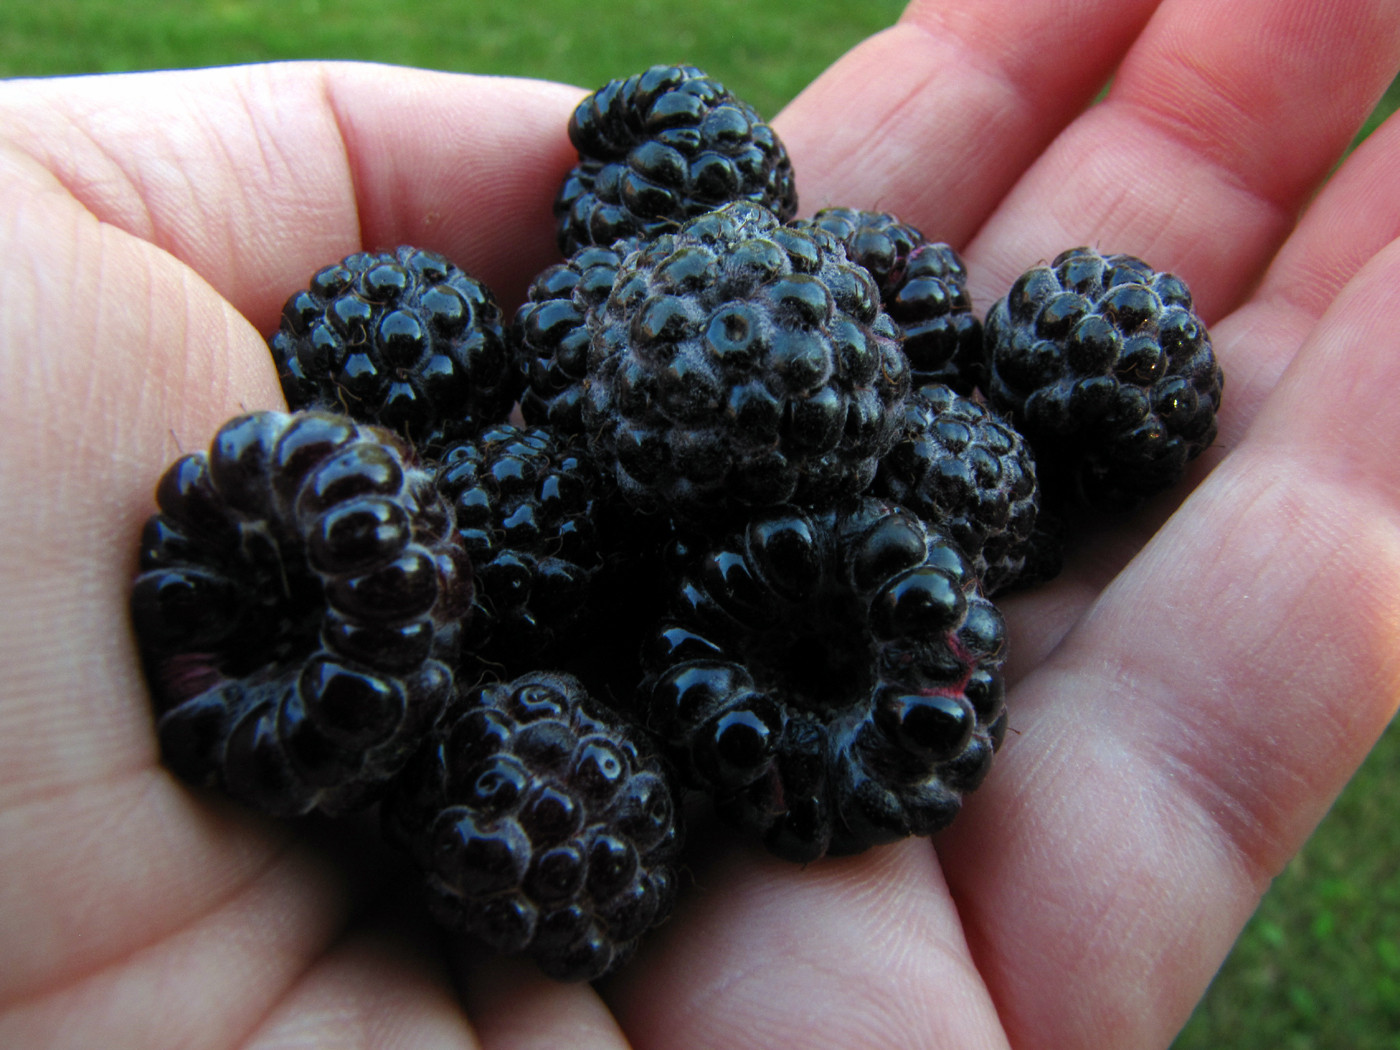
(587, 45)
(1388, 105)
(1319, 965)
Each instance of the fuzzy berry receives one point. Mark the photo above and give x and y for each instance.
(740, 362)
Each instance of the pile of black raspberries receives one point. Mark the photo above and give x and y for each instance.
(722, 509)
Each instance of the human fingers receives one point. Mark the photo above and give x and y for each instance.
(852, 953)
(1220, 124)
(146, 941)
(515, 1007)
(255, 176)
(1355, 215)
(936, 118)
(384, 985)
(1186, 736)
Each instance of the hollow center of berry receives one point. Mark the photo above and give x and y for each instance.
(818, 656)
(284, 614)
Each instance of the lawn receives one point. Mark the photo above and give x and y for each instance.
(734, 40)
(1319, 965)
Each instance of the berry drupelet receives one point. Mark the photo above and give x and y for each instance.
(661, 147)
(404, 339)
(551, 336)
(877, 240)
(942, 334)
(959, 466)
(832, 679)
(523, 499)
(543, 823)
(298, 609)
(1103, 365)
(923, 286)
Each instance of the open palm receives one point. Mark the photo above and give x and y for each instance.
(1185, 700)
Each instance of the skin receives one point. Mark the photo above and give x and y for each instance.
(1186, 700)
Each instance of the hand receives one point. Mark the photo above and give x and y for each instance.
(1187, 698)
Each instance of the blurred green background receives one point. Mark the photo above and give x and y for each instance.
(763, 51)
(1319, 965)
